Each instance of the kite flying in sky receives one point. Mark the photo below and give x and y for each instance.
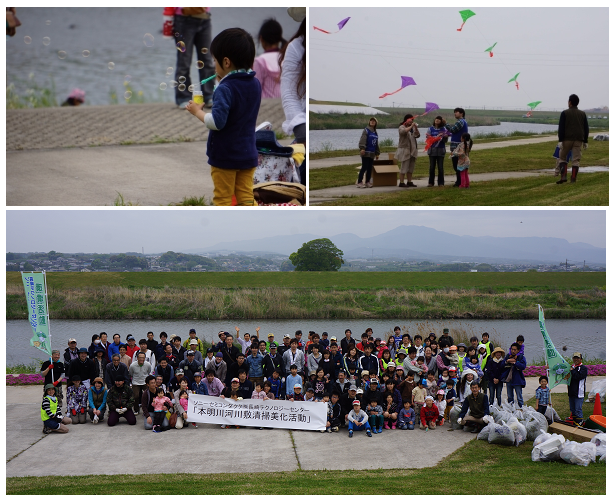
(465, 14)
(405, 81)
(515, 79)
(532, 106)
(428, 107)
(489, 49)
(340, 25)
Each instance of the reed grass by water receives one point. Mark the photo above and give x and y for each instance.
(118, 302)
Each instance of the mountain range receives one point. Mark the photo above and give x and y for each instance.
(418, 242)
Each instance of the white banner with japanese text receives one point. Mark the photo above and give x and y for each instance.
(257, 412)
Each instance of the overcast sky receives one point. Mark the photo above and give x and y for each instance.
(558, 51)
(175, 230)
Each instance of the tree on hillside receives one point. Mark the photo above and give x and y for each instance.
(319, 255)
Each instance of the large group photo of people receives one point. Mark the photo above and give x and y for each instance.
(369, 384)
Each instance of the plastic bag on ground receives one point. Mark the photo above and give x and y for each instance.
(548, 450)
(483, 434)
(541, 438)
(578, 453)
(603, 458)
(503, 416)
(488, 419)
(600, 387)
(535, 423)
(454, 412)
(501, 434)
(551, 414)
(600, 440)
(518, 429)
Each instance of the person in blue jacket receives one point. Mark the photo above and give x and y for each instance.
(515, 364)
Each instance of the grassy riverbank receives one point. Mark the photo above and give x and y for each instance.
(348, 295)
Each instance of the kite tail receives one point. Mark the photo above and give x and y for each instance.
(320, 29)
(460, 29)
(491, 54)
(390, 93)
(517, 85)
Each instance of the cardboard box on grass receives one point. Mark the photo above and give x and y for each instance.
(385, 172)
(572, 433)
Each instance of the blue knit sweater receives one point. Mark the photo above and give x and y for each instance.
(231, 141)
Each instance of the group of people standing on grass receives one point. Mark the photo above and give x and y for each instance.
(400, 382)
(407, 150)
(573, 131)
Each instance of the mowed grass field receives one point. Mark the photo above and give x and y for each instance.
(494, 281)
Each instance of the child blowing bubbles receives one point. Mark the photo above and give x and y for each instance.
(232, 152)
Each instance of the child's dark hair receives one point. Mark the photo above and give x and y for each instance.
(183, 392)
(520, 338)
(543, 377)
(236, 45)
(267, 384)
(443, 121)
(271, 32)
(467, 143)
(160, 391)
(234, 394)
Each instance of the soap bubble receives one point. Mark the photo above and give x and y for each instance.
(204, 50)
(111, 66)
(127, 79)
(176, 35)
(47, 22)
(163, 86)
(181, 46)
(173, 83)
(46, 41)
(200, 64)
(182, 79)
(181, 87)
(169, 71)
(61, 54)
(27, 40)
(127, 95)
(191, 88)
(86, 53)
(148, 40)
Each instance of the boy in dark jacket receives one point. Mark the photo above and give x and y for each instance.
(232, 151)
(335, 417)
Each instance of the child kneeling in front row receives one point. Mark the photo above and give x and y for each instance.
(376, 419)
(232, 151)
(358, 420)
(407, 417)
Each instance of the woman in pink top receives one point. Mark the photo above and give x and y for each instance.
(266, 65)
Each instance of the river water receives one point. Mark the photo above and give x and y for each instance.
(344, 139)
(110, 35)
(586, 336)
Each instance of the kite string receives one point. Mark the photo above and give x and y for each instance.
(498, 58)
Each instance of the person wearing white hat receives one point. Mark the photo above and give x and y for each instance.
(493, 372)
(358, 419)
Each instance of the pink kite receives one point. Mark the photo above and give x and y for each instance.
(340, 25)
(405, 81)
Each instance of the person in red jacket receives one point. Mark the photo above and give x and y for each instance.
(428, 414)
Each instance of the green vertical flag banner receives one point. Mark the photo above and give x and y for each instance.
(559, 370)
(38, 315)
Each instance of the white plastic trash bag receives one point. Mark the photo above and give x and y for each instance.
(550, 414)
(603, 458)
(535, 423)
(454, 412)
(541, 438)
(578, 453)
(501, 434)
(549, 450)
(600, 387)
(483, 434)
(600, 440)
(518, 429)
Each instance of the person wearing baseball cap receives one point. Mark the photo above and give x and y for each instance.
(193, 336)
(493, 371)
(358, 420)
(71, 352)
(51, 413)
(82, 366)
(120, 401)
(234, 386)
(446, 337)
(198, 356)
(577, 387)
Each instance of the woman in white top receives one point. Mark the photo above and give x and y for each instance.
(293, 83)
